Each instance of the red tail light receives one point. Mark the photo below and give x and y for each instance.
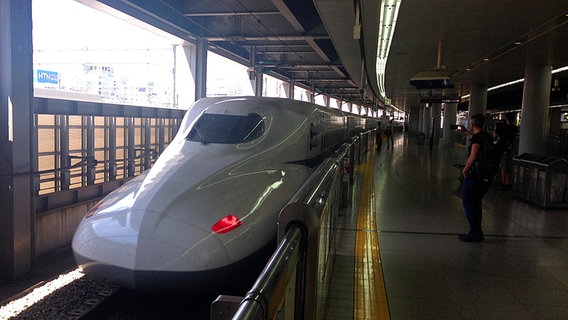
(226, 224)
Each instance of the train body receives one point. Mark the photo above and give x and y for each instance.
(207, 209)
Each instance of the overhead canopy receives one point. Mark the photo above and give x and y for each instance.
(319, 45)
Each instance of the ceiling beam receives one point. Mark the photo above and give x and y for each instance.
(317, 49)
(288, 15)
(295, 65)
(268, 38)
(229, 14)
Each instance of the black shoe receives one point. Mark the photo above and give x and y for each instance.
(470, 238)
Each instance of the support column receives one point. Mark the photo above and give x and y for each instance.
(255, 74)
(112, 167)
(63, 132)
(313, 92)
(89, 146)
(554, 130)
(414, 119)
(436, 118)
(478, 99)
(16, 134)
(450, 113)
(326, 100)
(147, 132)
(259, 83)
(534, 112)
(186, 56)
(201, 69)
(421, 115)
(130, 151)
(161, 136)
(289, 89)
(428, 121)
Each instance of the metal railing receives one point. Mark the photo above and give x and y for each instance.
(293, 284)
(264, 297)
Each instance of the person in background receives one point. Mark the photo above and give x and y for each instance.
(474, 188)
(511, 131)
(388, 134)
(379, 137)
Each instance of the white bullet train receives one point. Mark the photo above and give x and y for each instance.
(206, 211)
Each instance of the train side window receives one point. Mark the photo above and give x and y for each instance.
(228, 129)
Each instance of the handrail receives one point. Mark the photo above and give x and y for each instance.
(256, 304)
(315, 187)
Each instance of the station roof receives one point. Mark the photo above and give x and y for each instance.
(316, 43)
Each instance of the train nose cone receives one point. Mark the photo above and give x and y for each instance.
(167, 243)
(108, 239)
(117, 247)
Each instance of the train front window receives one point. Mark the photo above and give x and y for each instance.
(229, 129)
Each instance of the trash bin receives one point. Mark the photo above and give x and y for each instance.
(421, 137)
(541, 180)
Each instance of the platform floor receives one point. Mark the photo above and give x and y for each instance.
(520, 271)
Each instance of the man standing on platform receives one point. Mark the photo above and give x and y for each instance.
(474, 187)
(388, 133)
(379, 136)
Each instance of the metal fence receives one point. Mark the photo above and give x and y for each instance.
(76, 151)
(81, 145)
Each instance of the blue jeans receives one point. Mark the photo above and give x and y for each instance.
(472, 196)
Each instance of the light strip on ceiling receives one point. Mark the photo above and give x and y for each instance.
(516, 81)
(387, 22)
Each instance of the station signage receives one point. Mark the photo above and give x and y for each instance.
(440, 100)
(50, 77)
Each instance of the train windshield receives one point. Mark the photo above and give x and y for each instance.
(230, 129)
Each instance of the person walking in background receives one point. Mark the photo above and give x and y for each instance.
(388, 134)
(502, 139)
(511, 131)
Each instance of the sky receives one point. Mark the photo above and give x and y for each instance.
(67, 24)
(68, 34)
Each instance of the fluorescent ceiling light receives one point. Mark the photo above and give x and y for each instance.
(387, 22)
(517, 81)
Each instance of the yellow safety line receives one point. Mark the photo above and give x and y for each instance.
(370, 293)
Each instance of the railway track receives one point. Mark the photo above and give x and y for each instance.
(83, 298)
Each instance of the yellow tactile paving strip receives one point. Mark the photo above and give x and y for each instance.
(370, 293)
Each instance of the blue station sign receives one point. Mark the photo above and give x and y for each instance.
(44, 76)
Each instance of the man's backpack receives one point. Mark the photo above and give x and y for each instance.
(488, 161)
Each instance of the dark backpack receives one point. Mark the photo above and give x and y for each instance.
(489, 158)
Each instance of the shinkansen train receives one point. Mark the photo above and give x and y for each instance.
(206, 212)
